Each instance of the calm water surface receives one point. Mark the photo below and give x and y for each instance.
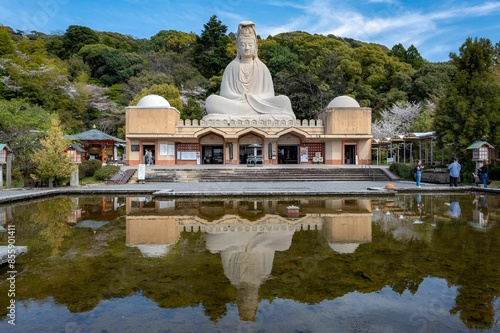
(410, 263)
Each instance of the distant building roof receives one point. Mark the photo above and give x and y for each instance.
(478, 144)
(3, 145)
(76, 147)
(94, 135)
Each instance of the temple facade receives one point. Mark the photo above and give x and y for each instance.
(341, 135)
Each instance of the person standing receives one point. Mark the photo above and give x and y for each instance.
(454, 169)
(418, 172)
(483, 173)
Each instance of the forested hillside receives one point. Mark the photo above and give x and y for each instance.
(88, 77)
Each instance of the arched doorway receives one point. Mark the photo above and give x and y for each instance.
(212, 149)
(246, 149)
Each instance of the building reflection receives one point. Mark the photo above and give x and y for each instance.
(246, 233)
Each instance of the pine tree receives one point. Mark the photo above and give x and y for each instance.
(210, 51)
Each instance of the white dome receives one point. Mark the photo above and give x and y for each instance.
(344, 248)
(153, 101)
(343, 102)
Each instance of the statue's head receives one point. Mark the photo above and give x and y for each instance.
(246, 35)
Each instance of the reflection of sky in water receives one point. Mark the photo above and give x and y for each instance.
(383, 311)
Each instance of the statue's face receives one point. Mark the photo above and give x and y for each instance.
(246, 47)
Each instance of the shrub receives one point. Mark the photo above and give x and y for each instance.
(106, 172)
(494, 173)
(88, 168)
(405, 171)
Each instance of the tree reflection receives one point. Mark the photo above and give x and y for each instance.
(52, 216)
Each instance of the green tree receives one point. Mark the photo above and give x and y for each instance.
(210, 50)
(51, 160)
(7, 45)
(20, 127)
(75, 38)
(431, 81)
(192, 110)
(470, 110)
(110, 65)
(410, 56)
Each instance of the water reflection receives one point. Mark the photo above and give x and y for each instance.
(235, 264)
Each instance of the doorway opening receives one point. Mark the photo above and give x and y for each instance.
(349, 154)
(152, 150)
(246, 151)
(288, 154)
(213, 154)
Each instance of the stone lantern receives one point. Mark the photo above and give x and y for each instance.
(5, 158)
(480, 152)
(75, 152)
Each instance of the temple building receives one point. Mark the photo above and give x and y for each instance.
(341, 135)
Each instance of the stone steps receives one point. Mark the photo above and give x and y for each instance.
(265, 175)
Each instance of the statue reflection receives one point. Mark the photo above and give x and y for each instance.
(247, 258)
(247, 233)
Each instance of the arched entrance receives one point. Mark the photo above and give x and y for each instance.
(288, 149)
(212, 149)
(246, 149)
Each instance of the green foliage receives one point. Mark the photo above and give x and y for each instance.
(106, 172)
(494, 173)
(75, 38)
(21, 125)
(51, 160)
(7, 45)
(192, 110)
(405, 171)
(470, 110)
(88, 168)
(410, 56)
(210, 55)
(111, 65)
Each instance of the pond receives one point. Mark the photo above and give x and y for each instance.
(409, 263)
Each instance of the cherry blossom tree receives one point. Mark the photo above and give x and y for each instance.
(396, 120)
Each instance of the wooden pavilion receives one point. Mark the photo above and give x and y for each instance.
(97, 145)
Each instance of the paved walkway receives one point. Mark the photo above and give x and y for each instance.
(361, 188)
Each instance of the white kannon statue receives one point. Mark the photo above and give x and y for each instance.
(247, 90)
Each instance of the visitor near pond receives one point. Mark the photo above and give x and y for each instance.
(418, 172)
(247, 90)
(454, 169)
(483, 173)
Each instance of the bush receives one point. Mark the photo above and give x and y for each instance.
(494, 173)
(88, 168)
(106, 172)
(405, 171)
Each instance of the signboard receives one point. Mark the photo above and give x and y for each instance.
(134, 148)
(390, 159)
(304, 156)
(141, 172)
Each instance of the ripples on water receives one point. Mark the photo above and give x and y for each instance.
(412, 263)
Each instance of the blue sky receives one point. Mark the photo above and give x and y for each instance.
(435, 27)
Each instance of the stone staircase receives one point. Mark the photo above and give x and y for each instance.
(258, 174)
